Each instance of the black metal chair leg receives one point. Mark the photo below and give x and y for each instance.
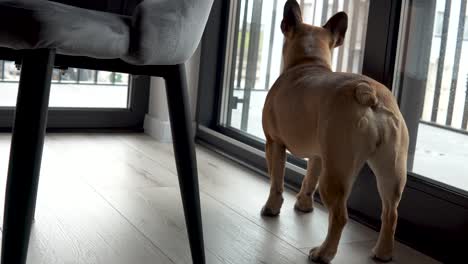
(25, 154)
(184, 150)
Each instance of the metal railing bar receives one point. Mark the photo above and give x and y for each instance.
(465, 110)
(60, 72)
(3, 70)
(339, 63)
(95, 76)
(450, 128)
(270, 47)
(441, 62)
(313, 13)
(240, 66)
(353, 34)
(364, 6)
(335, 6)
(78, 75)
(252, 60)
(456, 63)
(231, 103)
(324, 12)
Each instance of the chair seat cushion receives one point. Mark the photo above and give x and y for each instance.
(160, 32)
(32, 24)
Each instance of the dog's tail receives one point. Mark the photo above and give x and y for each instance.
(365, 94)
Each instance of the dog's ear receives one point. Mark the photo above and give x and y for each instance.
(292, 16)
(337, 25)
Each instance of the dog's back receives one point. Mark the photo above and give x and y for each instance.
(305, 96)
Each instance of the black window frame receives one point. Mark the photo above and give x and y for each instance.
(440, 237)
(68, 119)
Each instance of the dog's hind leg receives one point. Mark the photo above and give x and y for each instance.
(343, 155)
(305, 198)
(276, 159)
(389, 166)
(336, 180)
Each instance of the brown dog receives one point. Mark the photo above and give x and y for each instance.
(338, 121)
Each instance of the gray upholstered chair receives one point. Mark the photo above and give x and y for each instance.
(149, 37)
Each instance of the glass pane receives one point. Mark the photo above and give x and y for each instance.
(87, 76)
(69, 76)
(9, 71)
(432, 82)
(121, 78)
(105, 77)
(256, 56)
(72, 88)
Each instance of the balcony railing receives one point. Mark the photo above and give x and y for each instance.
(9, 72)
(446, 99)
(257, 55)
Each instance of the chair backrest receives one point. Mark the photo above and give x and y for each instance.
(167, 31)
(162, 32)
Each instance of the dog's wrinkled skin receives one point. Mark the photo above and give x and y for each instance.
(338, 121)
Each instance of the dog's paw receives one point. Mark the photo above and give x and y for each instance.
(304, 204)
(273, 205)
(303, 209)
(382, 257)
(389, 259)
(317, 256)
(266, 211)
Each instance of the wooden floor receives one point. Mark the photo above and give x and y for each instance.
(115, 199)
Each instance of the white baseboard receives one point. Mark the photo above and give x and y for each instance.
(158, 129)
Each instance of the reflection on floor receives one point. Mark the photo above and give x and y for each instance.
(114, 199)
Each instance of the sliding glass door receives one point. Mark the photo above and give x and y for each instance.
(432, 83)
